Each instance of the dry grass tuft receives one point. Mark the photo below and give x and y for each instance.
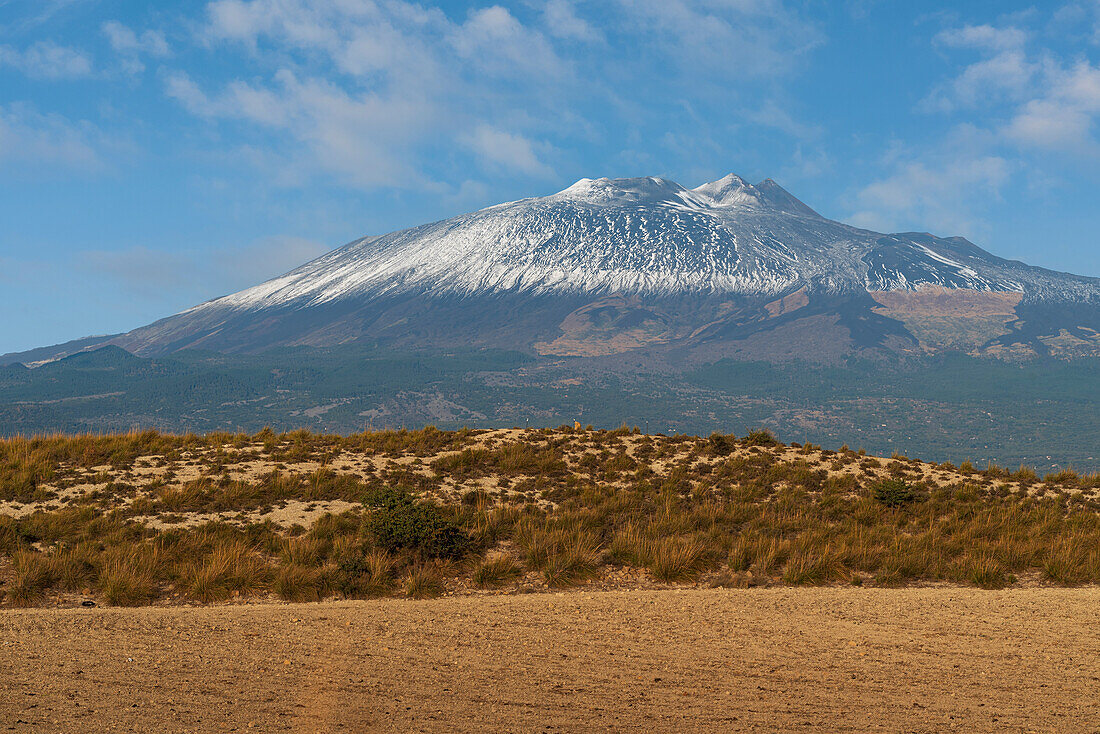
(674, 505)
(32, 577)
(496, 569)
(423, 582)
(678, 559)
(127, 582)
(300, 583)
(231, 567)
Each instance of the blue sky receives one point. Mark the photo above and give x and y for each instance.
(155, 155)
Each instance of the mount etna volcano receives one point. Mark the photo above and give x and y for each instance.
(727, 307)
(643, 265)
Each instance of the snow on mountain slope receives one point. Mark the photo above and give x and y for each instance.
(648, 236)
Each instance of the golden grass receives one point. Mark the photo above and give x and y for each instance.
(717, 510)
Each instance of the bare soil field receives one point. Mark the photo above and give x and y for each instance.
(777, 659)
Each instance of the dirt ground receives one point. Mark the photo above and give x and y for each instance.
(788, 659)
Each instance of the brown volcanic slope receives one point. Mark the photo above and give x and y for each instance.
(817, 660)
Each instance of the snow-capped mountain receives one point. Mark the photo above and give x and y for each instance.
(645, 236)
(613, 266)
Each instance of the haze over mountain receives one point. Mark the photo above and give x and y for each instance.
(645, 265)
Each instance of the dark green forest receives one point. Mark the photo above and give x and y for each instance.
(1043, 413)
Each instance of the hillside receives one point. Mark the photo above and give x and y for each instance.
(147, 518)
(1045, 413)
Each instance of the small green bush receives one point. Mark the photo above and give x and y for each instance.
(761, 437)
(893, 492)
(399, 522)
(721, 444)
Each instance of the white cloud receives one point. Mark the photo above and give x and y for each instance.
(179, 86)
(494, 42)
(724, 39)
(941, 193)
(1048, 103)
(47, 60)
(126, 41)
(1063, 116)
(362, 139)
(507, 150)
(367, 92)
(983, 37)
(32, 143)
(561, 21)
(771, 114)
(378, 93)
(239, 100)
(1004, 73)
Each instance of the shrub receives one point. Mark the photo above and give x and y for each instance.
(893, 492)
(758, 554)
(32, 577)
(564, 557)
(769, 555)
(305, 550)
(761, 437)
(810, 569)
(229, 567)
(74, 568)
(399, 522)
(126, 583)
(1066, 563)
(631, 546)
(720, 444)
(365, 575)
(984, 571)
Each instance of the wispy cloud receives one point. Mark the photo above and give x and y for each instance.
(125, 40)
(507, 150)
(407, 80)
(1063, 115)
(48, 142)
(379, 94)
(724, 40)
(945, 190)
(1012, 97)
(1053, 103)
(561, 21)
(131, 46)
(47, 60)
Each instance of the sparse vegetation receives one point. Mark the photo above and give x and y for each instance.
(144, 517)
